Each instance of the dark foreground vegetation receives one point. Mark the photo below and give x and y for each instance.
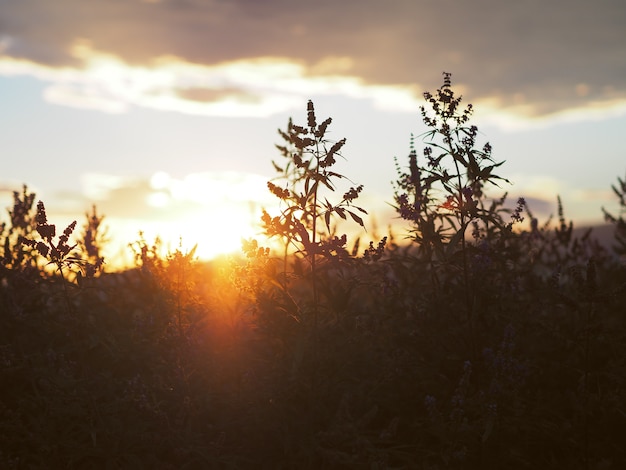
(490, 341)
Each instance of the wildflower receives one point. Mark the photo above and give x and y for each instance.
(353, 193)
(447, 82)
(467, 142)
(42, 248)
(450, 203)
(414, 169)
(41, 217)
(278, 192)
(517, 216)
(467, 192)
(90, 244)
(311, 115)
(375, 253)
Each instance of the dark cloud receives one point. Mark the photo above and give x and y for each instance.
(549, 55)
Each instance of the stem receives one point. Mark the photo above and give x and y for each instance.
(66, 294)
(284, 279)
(314, 237)
(463, 227)
(181, 280)
(469, 304)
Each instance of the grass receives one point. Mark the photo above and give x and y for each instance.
(478, 342)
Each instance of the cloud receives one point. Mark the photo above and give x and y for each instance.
(531, 58)
(165, 197)
(541, 193)
(211, 210)
(251, 88)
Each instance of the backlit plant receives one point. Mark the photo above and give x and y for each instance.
(59, 252)
(619, 220)
(16, 256)
(92, 241)
(305, 221)
(442, 193)
(168, 365)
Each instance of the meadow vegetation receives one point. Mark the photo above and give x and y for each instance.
(485, 339)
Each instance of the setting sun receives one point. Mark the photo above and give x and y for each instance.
(211, 210)
(319, 235)
(214, 230)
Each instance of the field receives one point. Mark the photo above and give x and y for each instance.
(487, 339)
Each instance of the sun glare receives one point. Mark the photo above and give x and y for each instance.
(213, 231)
(217, 231)
(213, 211)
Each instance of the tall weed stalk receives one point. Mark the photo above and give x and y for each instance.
(619, 220)
(67, 261)
(305, 221)
(443, 193)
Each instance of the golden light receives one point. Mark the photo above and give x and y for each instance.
(211, 210)
(215, 231)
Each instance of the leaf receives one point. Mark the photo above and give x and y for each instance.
(276, 167)
(327, 220)
(327, 184)
(301, 199)
(454, 241)
(356, 218)
(616, 191)
(458, 156)
(335, 175)
(473, 164)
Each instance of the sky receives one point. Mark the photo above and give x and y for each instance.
(164, 113)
